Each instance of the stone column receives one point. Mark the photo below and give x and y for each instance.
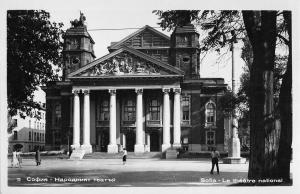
(112, 147)
(176, 121)
(76, 120)
(86, 123)
(166, 120)
(139, 146)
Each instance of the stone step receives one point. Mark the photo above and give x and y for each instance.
(77, 154)
(130, 155)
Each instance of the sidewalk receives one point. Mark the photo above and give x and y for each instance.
(136, 172)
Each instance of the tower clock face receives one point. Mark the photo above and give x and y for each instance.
(75, 60)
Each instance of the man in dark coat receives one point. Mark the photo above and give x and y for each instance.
(38, 157)
(215, 155)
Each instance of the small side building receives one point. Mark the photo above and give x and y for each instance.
(28, 132)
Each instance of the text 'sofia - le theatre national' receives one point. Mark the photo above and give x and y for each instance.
(146, 95)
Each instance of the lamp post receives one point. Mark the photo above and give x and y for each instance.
(234, 146)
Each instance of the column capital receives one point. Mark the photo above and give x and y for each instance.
(139, 90)
(166, 90)
(112, 91)
(177, 90)
(86, 91)
(75, 92)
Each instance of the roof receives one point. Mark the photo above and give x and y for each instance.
(185, 29)
(79, 31)
(116, 45)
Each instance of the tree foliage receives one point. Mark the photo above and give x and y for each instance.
(33, 49)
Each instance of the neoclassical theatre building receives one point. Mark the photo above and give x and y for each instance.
(146, 95)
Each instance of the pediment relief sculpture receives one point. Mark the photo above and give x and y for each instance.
(123, 64)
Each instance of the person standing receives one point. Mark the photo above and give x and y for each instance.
(215, 155)
(19, 157)
(38, 157)
(15, 161)
(124, 156)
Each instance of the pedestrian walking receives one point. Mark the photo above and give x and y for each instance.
(124, 156)
(19, 158)
(70, 151)
(15, 161)
(215, 155)
(38, 157)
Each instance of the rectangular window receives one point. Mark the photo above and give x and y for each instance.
(154, 110)
(38, 136)
(103, 110)
(129, 110)
(210, 138)
(29, 136)
(15, 135)
(185, 104)
(57, 117)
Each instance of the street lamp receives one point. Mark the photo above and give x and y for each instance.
(234, 149)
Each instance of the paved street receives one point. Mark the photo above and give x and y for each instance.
(136, 172)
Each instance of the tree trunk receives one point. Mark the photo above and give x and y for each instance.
(261, 30)
(285, 106)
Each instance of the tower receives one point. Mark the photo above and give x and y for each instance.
(78, 46)
(185, 50)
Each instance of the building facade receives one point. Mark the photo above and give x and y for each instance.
(28, 132)
(146, 94)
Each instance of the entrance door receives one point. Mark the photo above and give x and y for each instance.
(130, 141)
(104, 141)
(154, 141)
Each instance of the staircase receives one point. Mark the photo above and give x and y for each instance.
(130, 155)
(77, 154)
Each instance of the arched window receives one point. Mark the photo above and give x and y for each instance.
(210, 114)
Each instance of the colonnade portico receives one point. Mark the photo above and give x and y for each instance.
(86, 122)
(139, 146)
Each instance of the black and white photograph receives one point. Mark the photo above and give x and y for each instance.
(112, 95)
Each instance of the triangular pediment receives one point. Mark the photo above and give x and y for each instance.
(144, 37)
(126, 62)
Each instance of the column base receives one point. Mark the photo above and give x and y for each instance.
(87, 148)
(139, 148)
(75, 146)
(176, 145)
(164, 147)
(112, 148)
(234, 160)
(234, 148)
(147, 148)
